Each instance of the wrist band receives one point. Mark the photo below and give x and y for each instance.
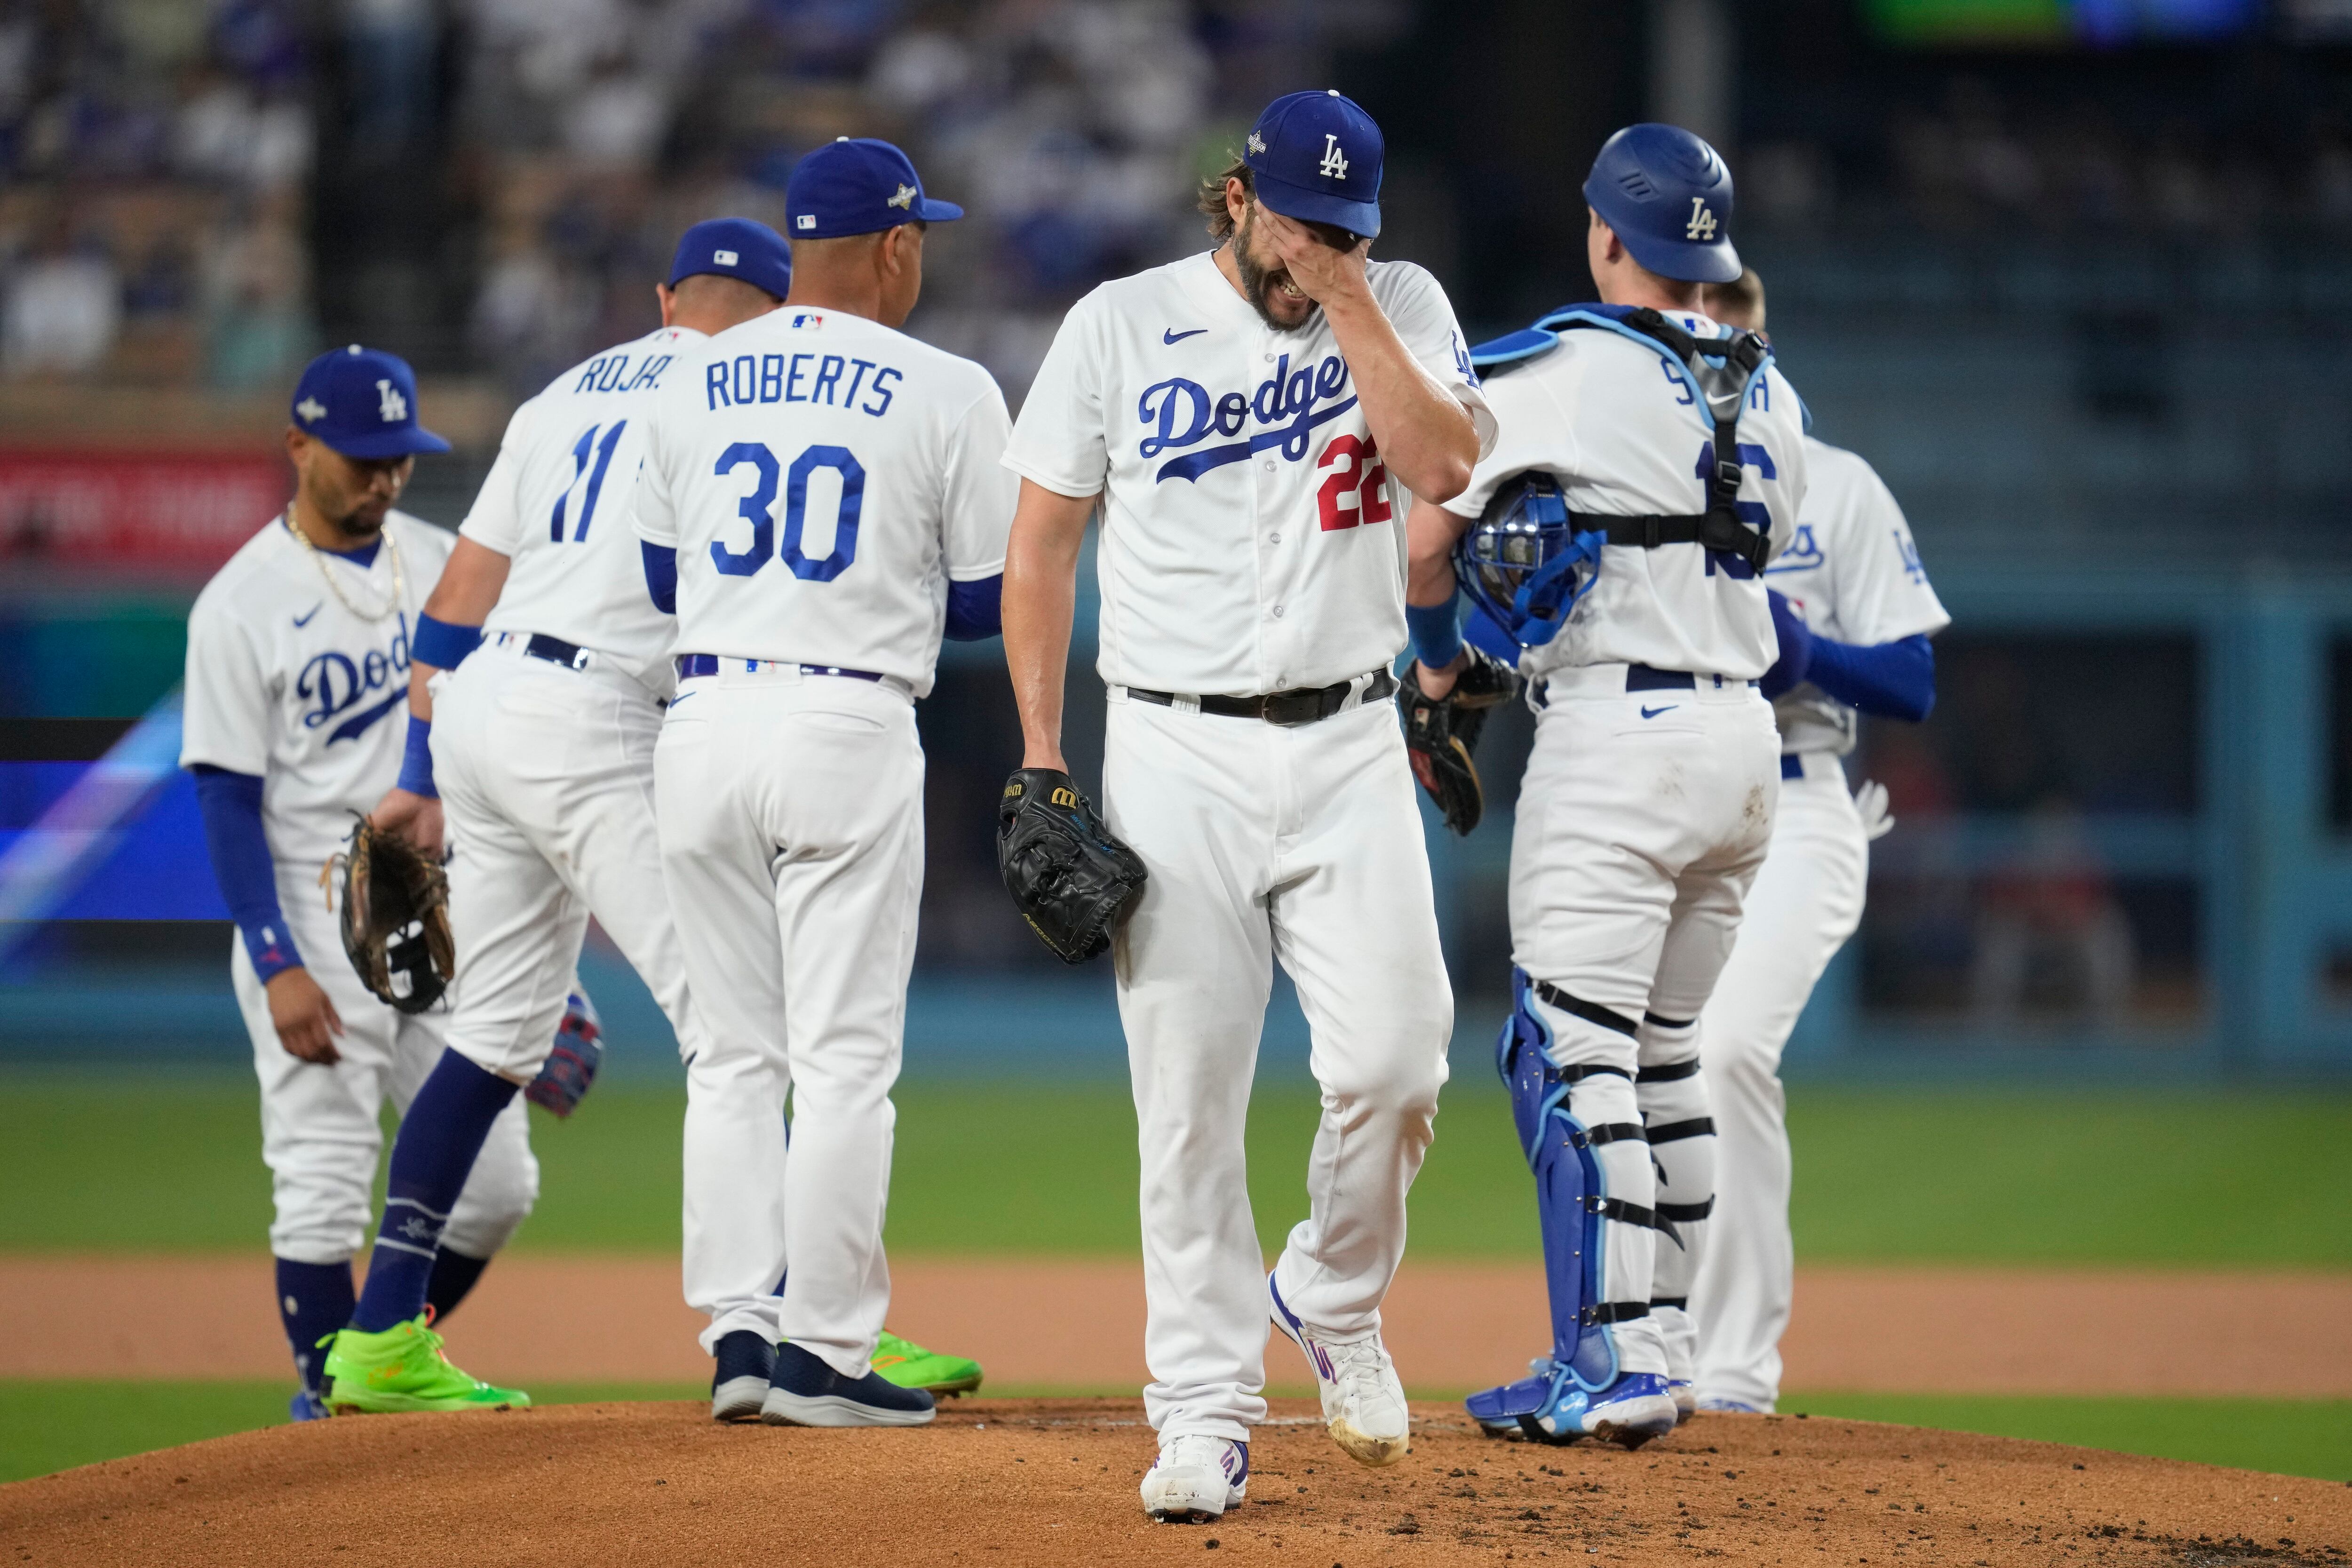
(442, 645)
(417, 762)
(1436, 633)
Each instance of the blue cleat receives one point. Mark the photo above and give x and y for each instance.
(804, 1391)
(1551, 1406)
(307, 1407)
(1717, 1405)
(741, 1368)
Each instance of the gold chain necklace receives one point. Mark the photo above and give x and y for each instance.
(399, 582)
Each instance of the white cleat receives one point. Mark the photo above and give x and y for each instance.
(1363, 1402)
(1685, 1399)
(1195, 1479)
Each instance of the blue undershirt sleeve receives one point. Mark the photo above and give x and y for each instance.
(1891, 679)
(661, 575)
(976, 609)
(230, 803)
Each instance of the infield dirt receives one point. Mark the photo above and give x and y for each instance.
(1053, 1481)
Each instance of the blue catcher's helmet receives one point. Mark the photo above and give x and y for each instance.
(1522, 562)
(1668, 195)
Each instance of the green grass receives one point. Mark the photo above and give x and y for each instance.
(2288, 1437)
(2123, 1177)
(51, 1425)
(54, 1424)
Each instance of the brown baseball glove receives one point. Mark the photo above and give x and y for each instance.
(396, 918)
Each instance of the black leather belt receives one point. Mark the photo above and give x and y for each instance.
(555, 650)
(1302, 705)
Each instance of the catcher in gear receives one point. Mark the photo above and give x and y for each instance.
(395, 917)
(1071, 879)
(1442, 732)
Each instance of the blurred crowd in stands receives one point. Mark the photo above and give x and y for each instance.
(154, 157)
(159, 223)
(153, 162)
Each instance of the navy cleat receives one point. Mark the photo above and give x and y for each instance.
(744, 1363)
(804, 1392)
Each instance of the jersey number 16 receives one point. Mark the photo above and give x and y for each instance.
(758, 509)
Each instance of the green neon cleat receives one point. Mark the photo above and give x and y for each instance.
(403, 1369)
(909, 1365)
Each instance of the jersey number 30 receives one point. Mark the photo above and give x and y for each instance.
(758, 509)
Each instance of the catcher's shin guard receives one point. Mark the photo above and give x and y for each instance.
(1570, 1150)
(1673, 1100)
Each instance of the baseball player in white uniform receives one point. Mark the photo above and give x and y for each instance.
(298, 652)
(1856, 611)
(1647, 804)
(539, 747)
(1249, 422)
(826, 491)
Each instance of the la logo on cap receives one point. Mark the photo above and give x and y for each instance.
(724, 257)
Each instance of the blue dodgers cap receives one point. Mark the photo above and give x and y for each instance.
(734, 247)
(362, 403)
(1315, 156)
(857, 186)
(1668, 195)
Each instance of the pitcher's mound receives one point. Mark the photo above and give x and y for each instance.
(1015, 1482)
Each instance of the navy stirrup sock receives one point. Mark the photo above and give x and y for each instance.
(453, 1274)
(444, 1131)
(314, 1299)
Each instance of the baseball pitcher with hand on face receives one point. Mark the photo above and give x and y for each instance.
(1249, 422)
(298, 652)
(1853, 611)
(821, 495)
(1649, 464)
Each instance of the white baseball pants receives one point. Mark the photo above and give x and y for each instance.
(1806, 902)
(1265, 844)
(791, 830)
(1642, 819)
(321, 1135)
(546, 777)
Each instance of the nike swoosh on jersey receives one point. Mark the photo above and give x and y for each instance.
(360, 723)
(301, 621)
(1170, 335)
(1653, 712)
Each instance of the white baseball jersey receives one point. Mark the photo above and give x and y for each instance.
(1253, 541)
(822, 480)
(1854, 576)
(1626, 435)
(556, 503)
(289, 679)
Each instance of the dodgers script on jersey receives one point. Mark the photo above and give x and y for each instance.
(1855, 574)
(556, 503)
(1253, 541)
(823, 479)
(288, 682)
(1627, 434)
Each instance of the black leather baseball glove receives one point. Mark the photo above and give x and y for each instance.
(1072, 880)
(1440, 733)
(396, 918)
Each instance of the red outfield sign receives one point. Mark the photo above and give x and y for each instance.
(176, 514)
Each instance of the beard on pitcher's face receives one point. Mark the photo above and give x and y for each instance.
(1266, 281)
